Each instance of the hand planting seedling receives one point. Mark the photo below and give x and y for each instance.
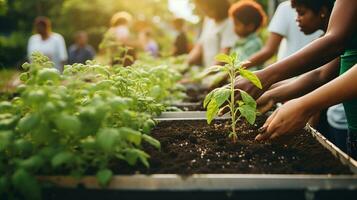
(223, 97)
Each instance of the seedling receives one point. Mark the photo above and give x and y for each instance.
(224, 97)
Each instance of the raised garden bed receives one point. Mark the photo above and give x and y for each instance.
(200, 160)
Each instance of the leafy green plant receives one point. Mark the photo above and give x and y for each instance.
(87, 117)
(224, 97)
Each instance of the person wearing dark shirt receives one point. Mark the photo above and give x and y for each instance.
(81, 51)
(181, 42)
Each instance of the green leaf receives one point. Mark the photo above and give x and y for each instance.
(26, 184)
(247, 99)
(62, 158)
(28, 123)
(106, 139)
(131, 135)
(251, 77)
(152, 141)
(156, 91)
(132, 155)
(221, 95)
(104, 176)
(249, 113)
(148, 125)
(5, 139)
(223, 58)
(212, 110)
(68, 124)
(48, 74)
(208, 98)
(33, 163)
(22, 146)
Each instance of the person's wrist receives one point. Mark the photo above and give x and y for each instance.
(265, 78)
(307, 106)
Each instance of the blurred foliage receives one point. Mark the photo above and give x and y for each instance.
(68, 17)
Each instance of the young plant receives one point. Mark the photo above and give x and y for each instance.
(224, 97)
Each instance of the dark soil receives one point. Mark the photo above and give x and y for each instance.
(196, 107)
(190, 147)
(195, 93)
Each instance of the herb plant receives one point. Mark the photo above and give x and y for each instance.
(80, 121)
(224, 97)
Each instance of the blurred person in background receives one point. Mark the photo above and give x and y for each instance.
(80, 51)
(217, 33)
(119, 26)
(147, 42)
(248, 17)
(181, 45)
(48, 43)
(116, 44)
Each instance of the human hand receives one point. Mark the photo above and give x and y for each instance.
(266, 102)
(291, 117)
(246, 64)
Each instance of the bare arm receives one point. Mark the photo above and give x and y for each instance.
(307, 82)
(294, 115)
(195, 55)
(340, 29)
(321, 51)
(301, 86)
(326, 96)
(269, 49)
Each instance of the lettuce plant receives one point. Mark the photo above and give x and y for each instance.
(224, 97)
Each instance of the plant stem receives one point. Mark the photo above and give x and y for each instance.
(232, 105)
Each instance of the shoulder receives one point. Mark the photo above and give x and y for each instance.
(57, 36)
(286, 5)
(35, 37)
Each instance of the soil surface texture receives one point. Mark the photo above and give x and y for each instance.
(190, 147)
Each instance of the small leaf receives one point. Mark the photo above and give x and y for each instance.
(152, 141)
(61, 159)
(33, 163)
(223, 58)
(248, 113)
(131, 135)
(106, 139)
(104, 176)
(28, 123)
(132, 155)
(221, 96)
(251, 77)
(212, 110)
(208, 98)
(247, 99)
(26, 184)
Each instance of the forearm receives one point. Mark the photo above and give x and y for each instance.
(341, 28)
(306, 83)
(195, 55)
(340, 89)
(304, 60)
(259, 58)
(269, 49)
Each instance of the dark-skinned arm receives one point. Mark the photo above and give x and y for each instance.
(269, 49)
(321, 51)
(299, 87)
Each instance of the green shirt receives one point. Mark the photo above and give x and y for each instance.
(348, 60)
(246, 47)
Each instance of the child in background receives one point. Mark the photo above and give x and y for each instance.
(181, 42)
(81, 51)
(248, 17)
(119, 26)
